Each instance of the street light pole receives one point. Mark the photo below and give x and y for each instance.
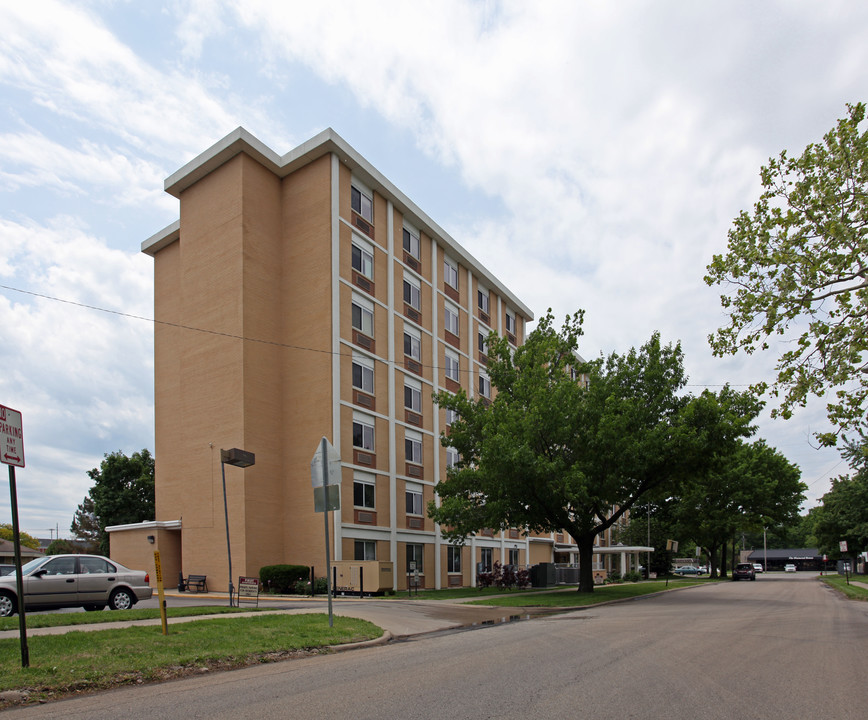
(242, 459)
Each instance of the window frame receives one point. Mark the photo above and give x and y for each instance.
(449, 312)
(483, 300)
(415, 552)
(415, 343)
(510, 315)
(412, 491)
(357, 190)
(413, 446)
(452, 365)
(452, 457)
(369, 488)
(486, 559)
(365, 423)
(484, 385)
(365, 249)
(366, 370)
(410, 234)
(450, 269)
(453, 559)
(365, 545)
(413, 392)
(365, 311)
(413, 292)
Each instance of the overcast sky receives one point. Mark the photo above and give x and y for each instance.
(591, 154)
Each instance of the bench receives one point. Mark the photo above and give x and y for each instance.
(197, 583)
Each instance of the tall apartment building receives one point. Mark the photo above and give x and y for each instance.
(305, 296)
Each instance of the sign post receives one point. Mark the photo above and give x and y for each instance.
(159, 574)
(325, 471)
(12, 454)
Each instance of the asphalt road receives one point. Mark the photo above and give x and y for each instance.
(782, 647)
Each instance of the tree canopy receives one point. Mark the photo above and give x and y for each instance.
(844, 512)
(7, 533)
(569, 445)
(123, 492)
(798, 266)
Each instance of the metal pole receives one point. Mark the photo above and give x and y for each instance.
(16, 537)
(765, 553)
(325, 487)
(226, 515)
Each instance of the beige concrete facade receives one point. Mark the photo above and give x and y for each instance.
(283, 316)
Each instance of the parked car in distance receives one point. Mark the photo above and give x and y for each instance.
(703, 569)
(687, 570)
(789, 567)
(744, 571)
(62, 581)
(757, 568)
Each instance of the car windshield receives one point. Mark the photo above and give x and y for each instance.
(32, 565)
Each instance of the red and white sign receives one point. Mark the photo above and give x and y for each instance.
(11, 437)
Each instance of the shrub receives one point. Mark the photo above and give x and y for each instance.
(632, 576)
(614, 576)
(320, 586)
(282, 578)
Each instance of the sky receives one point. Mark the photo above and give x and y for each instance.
(592, 155)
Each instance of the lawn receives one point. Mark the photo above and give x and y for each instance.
(853, 591)
(82, 661)
(42, 620)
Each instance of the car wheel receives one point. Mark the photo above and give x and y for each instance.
(8, 605)
(92, 608)
(753, 578)
(121, 600)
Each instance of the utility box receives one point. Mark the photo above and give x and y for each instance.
(543, 575)
(362, 576)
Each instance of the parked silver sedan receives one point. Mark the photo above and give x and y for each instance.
(62, 581)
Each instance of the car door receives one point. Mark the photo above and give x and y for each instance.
(53, 584)
(96, 577)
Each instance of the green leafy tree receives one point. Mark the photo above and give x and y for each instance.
(85, 525)
(6, 533)
(551, 453)
(798, 265)
(61, 547)
(748, 486)
(123, 492)
(844, 515)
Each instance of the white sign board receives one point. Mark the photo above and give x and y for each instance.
(11, 437)
(842, 546)
(334, 466)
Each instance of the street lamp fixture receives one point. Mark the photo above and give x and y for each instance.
(241, 459)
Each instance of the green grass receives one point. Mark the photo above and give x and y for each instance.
(88, 618)
(571, 598)
(77, 660)
(852, 591)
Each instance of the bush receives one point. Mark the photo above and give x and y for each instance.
(505, 577)
(320, 587)
(614, 576)
(632, 576)
(281, 579)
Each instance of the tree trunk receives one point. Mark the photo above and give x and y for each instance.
(586, 565)
(713, 560)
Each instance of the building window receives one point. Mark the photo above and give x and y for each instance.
(450, 273)
(484, 386)
(363, 432)
(412, 292)
(363, 492)
(510, 322)
(513, 556)
(363, 374)
(365, 550)
(413, 448)
(450, 316)
(412, 344)
(363, 316)
(485, 559)
(414, 555)
(453, 558)
(411, 243)
(361, 203)
(452, 366)
(482, 343)
(413, 495)
(363, 258)
(483, 300)
(451, 417)
(412, 395)
(451, 457)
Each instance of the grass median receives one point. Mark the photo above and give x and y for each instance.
(77, 661)
(854, 589)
